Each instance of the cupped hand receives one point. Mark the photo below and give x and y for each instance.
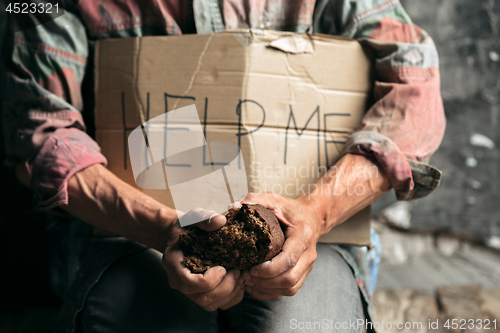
(216, 288)
(284, 274)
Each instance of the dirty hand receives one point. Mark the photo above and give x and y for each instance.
(284, 274)
(212, 290)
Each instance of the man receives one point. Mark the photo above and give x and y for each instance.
(110, 284)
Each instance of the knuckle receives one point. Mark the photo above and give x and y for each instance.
(296, 279)
(289, 280)
(206, 308)
(308, 234)
(204, 301)
(211, 307)
(314, 256)
(293, 258)
(292, 291)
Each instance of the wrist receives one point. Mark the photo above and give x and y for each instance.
(353, 183)
(101, 199)
(316, 212)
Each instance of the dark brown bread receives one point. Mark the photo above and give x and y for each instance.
(251, 236)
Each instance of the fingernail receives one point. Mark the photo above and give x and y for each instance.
(210, 219)
(222, 272)
(237, 275)
(248, 283)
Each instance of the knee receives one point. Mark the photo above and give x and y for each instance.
(332, 266)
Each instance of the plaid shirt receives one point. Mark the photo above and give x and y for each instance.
(44, 108)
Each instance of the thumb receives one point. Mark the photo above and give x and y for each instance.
(214, 222)
(207, 220)
(216, 273)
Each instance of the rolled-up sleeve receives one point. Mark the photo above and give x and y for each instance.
(406, 123)
(42, 107)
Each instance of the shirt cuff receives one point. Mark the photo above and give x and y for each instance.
(65, 152)
(410, 179)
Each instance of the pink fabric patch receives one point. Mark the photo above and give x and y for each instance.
(391, 30)
(65, 152)
(410, 113)
(387, 154)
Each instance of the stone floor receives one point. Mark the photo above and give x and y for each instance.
(419, 312)
(427, 261)
(434, 277)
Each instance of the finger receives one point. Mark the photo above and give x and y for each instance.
(207, 220)
(211, 299)
(289, 278)
(285, 260)
(237, 299)
(260, 295)
(232, 299)
(181, 278)
(257, 198)
(275, 203)
(285, 291)
(214, 222)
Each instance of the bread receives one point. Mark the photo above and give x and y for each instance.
(251, 235)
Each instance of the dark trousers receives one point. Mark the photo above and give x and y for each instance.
(133, 295)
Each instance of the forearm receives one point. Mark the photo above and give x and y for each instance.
(353, 183)
(98, 197)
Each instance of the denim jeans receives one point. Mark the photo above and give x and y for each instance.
(133, 295)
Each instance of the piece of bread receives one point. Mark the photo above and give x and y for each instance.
(251, 235)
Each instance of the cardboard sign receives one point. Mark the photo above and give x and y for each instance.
(289, 101)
